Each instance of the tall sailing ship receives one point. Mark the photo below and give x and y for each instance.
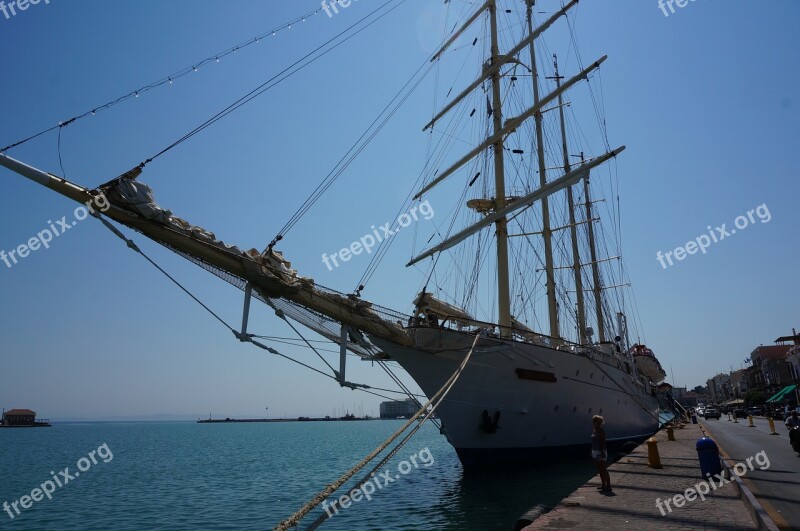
(532, 383)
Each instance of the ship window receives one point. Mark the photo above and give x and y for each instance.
(577, 372)
(575, 409)
(591, 375)
(556, 408)
(541, 376)
(600, 412)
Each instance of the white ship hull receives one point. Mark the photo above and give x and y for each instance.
(539, 415)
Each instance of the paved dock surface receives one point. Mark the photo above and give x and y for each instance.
(777, 487)
(636, 488)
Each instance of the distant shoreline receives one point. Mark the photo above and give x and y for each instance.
(196, 420)
(298, 419)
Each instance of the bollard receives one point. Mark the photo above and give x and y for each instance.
(670, 434)
(653, 459)
(531, 516)
(772, 426)
(750, 418)
(708, 454)
(729, 416)
(735, 419)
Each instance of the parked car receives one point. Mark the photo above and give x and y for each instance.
(711, 413)
(777, 414)
(754, 411)
(739, 413)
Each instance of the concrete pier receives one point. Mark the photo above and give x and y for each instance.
(638, 489)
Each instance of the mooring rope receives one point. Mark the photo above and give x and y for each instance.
(369, 475)
(433, 403)
(294, 520)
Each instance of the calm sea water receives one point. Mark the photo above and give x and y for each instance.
(185, 475)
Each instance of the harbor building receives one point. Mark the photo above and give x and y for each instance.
(20, 418)
(398, 408)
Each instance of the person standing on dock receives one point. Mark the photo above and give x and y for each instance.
(600, 452)
(794, 435)
(792, 421)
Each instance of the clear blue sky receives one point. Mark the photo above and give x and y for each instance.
(707, 101)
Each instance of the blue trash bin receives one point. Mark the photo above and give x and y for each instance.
(708, 454)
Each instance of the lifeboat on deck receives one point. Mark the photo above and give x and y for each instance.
(647, 364)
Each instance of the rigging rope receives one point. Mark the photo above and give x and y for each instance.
(294, 519)
(282, 315)
(167, 79)
(132, 245)
(60, 162)
(277, 79)
(353, 152)
(382, 250)
(243, 337)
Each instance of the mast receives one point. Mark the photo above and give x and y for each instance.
(547, 233)
(576, 255)
(525, 201)
(598, 295)
(501, 209)
(503, 288)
